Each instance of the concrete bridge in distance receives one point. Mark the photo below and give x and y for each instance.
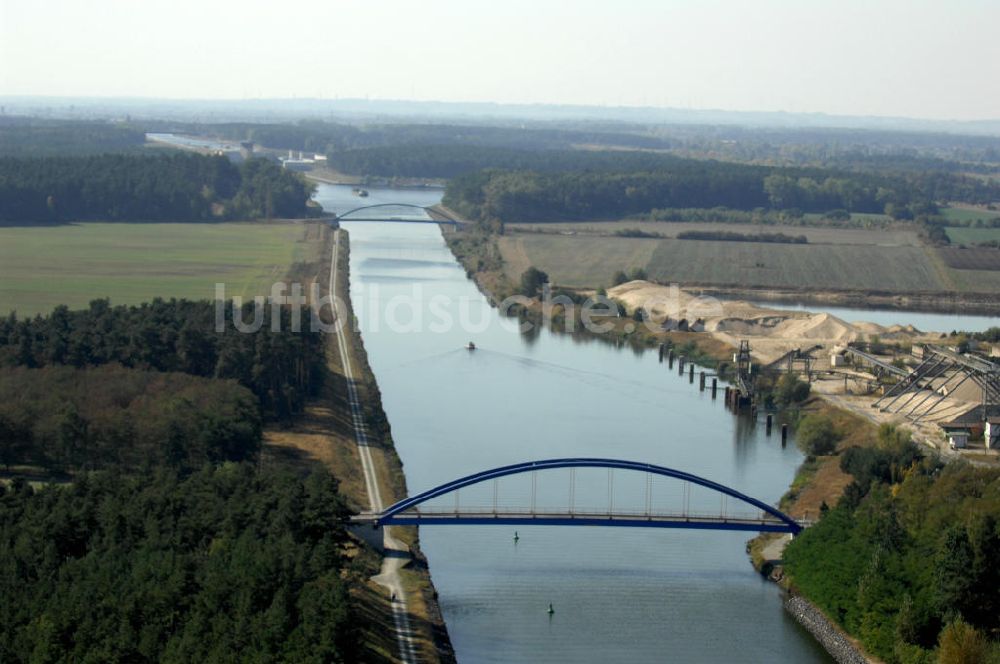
(756, 516)
(375, 212)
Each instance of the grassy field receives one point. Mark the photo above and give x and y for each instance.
(965, 215)
(814, 234)
(575, 260)
(813, 266)
(971, 236)
(41, 267)
(590, 261)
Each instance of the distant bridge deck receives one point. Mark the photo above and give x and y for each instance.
(405, 220)
(433, 215)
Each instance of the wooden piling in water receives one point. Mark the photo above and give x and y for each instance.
(784, 434)
(767, 428)
(691, 372)
(701, 382)
(714, 386)
(661, 353)
(680, 365)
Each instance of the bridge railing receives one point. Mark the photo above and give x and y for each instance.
(563, 511)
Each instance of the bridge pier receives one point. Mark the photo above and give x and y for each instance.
(371, 534)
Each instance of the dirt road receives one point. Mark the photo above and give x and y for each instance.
(396, 552)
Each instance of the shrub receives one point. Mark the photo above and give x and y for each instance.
(961, 643)
(816, 435)
(790, 390)
(532, 281)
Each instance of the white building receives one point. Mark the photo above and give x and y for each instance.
(991, 432)
(957, 435)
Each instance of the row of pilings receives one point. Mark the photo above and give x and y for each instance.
(735, 400)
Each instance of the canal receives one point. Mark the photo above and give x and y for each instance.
(619, 594)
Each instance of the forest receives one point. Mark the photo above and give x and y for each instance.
(531, 196)
(395, 149)
(334, 137)
(155, 535)
(165, 187)
(35, 137)
(224, 564)
(906, 561)
(66, 419)
(280, 367)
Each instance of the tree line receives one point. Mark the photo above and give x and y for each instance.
(449, 161)
(534, 196)
(35, 137)
(165, 187)
(730, 236)
(906, 561)
(332, 138)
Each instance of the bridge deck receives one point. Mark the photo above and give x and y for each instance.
(513, 517)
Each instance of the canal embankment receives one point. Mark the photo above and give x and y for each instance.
(325, 436)
(841, 647)
(404, 576)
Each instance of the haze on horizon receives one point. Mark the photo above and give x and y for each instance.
(916, 59)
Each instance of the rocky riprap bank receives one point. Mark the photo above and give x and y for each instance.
(835, 643)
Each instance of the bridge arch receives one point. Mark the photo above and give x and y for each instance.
(448, 220)
(787, 523)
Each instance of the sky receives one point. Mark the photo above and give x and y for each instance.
(913, 58)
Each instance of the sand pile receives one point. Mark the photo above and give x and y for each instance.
(774, 331)
(819, 327)
(752, 326)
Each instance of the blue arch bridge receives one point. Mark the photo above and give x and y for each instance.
(736, 511)
(390, 212)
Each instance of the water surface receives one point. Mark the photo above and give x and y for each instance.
(619, 594)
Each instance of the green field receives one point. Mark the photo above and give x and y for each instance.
(590, 261)
(41, 267)
(971, 236)
(575, 261)
(813, 266)
(966, 215)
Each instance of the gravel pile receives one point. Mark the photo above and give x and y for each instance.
(835, 643)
